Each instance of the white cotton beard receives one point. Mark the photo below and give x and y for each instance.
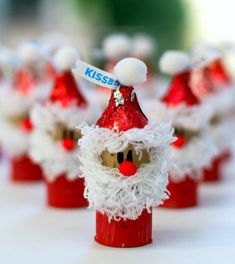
(222, 102)
(223, 134)
(48, 116)
(48, 152)
(53, 158)
(192, 118)
(12, 102)
(190, 160)
(13, 139)
(110, 192)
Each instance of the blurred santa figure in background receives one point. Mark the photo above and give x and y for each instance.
(211, 82)
(30, 83)
(193, 149)
(54, 140)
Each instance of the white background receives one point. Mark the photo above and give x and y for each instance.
(31, 233)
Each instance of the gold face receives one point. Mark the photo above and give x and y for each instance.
(113, 160)
(215, 120)
(61, 132)
(187, 134)
(16, 120)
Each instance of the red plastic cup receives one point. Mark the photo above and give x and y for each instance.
(213, 174)
(124, 233)
(64, 193)
(23, 169)
(183, 194)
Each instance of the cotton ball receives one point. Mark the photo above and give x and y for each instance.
(131, 71)
(173, 62)
(65, 57)
(117, 46)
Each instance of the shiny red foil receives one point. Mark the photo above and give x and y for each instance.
(65, 91)
(123, 117)
(24, 81)
(218, 74)
(180, 92)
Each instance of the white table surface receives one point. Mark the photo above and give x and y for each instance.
(31, 233)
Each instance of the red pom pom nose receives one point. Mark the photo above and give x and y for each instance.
(68, 144)
(27, 125)
(180, 141)
(127, 168)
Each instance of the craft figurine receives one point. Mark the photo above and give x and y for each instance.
(54, 140)
(124, 161)
(28, 85)
(193, 149)
(214, 87)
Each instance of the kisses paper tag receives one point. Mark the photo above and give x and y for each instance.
(95, 75)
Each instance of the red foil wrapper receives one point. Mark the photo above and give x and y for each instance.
(24, 81)
(213, 174)
(124, 233)
(180, 91)
(218, 73)
(183, 194)
(126, 115)
(24, 170)
(65, 91)
(64, 193)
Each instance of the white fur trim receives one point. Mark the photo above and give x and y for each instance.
(47, 115)
(49, 153)
(52, 157)
(193, 117)
(13, 140)
(117, 46)
(189, 161)
(130, 71)
(12, 102)
(143, 46)
(110, 192)
(173, 62)
(203, 54)
(65, 57)
(223, 133)
(222, 101)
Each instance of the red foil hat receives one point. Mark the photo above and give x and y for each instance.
(24, 80)
(123, 111)
(180, 92)
(66, 91)
(218, 74)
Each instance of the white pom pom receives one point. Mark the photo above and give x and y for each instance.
(203, 54)
(117, 46)
(65, 57)
(173, 62)
(143, 45)
(130, 71)
(29, 52)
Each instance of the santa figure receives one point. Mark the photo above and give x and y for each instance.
(213, 85)
(193, 149)
(54, 140)
(124, 161)
(29, 84)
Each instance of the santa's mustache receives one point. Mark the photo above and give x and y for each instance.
(119, 196)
